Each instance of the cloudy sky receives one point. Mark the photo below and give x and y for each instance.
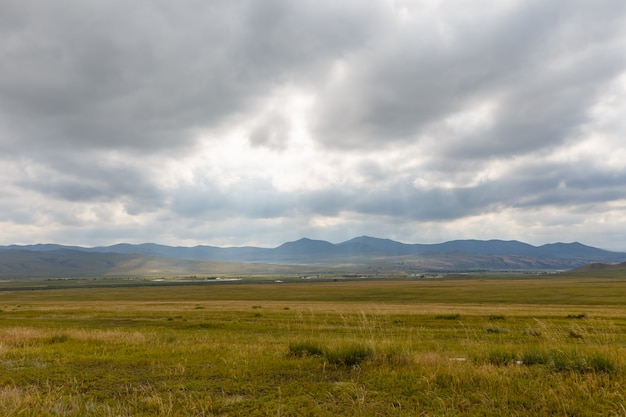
(258, 122)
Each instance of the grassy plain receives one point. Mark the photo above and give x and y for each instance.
(552, 345)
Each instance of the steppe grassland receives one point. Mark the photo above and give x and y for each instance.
(464, 347)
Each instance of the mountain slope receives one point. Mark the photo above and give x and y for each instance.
(597, 266)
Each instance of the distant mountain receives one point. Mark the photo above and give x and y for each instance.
(376, 246)
(364, 252)
(489, 247)
(576, 251)
(306, 246)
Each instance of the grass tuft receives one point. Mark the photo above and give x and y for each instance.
(350, 354)
(452, 316)
(347, 354)
(305, 348)
(575, 334)
(533, 357)
(500, 357)
(57, 338)
(496, 330)
(601, 363)
(529, 331)
(555, 360)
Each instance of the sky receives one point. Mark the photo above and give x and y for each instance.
(247, 122)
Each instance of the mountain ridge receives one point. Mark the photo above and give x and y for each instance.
(307, 245)
(359, 249)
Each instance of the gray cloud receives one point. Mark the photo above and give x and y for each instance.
(414, 114)
(531, 187)
(106, 74)
(250, 199)
(541, 64)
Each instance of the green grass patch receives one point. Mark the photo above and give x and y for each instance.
(555, 360)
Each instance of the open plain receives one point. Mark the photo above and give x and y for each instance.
(468, 345)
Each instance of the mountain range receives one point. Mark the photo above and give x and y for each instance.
(360, 253)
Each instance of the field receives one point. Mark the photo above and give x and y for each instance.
(551, 345)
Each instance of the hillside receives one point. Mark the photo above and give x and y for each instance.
(600, 270)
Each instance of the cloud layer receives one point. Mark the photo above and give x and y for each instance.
(244, 122)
